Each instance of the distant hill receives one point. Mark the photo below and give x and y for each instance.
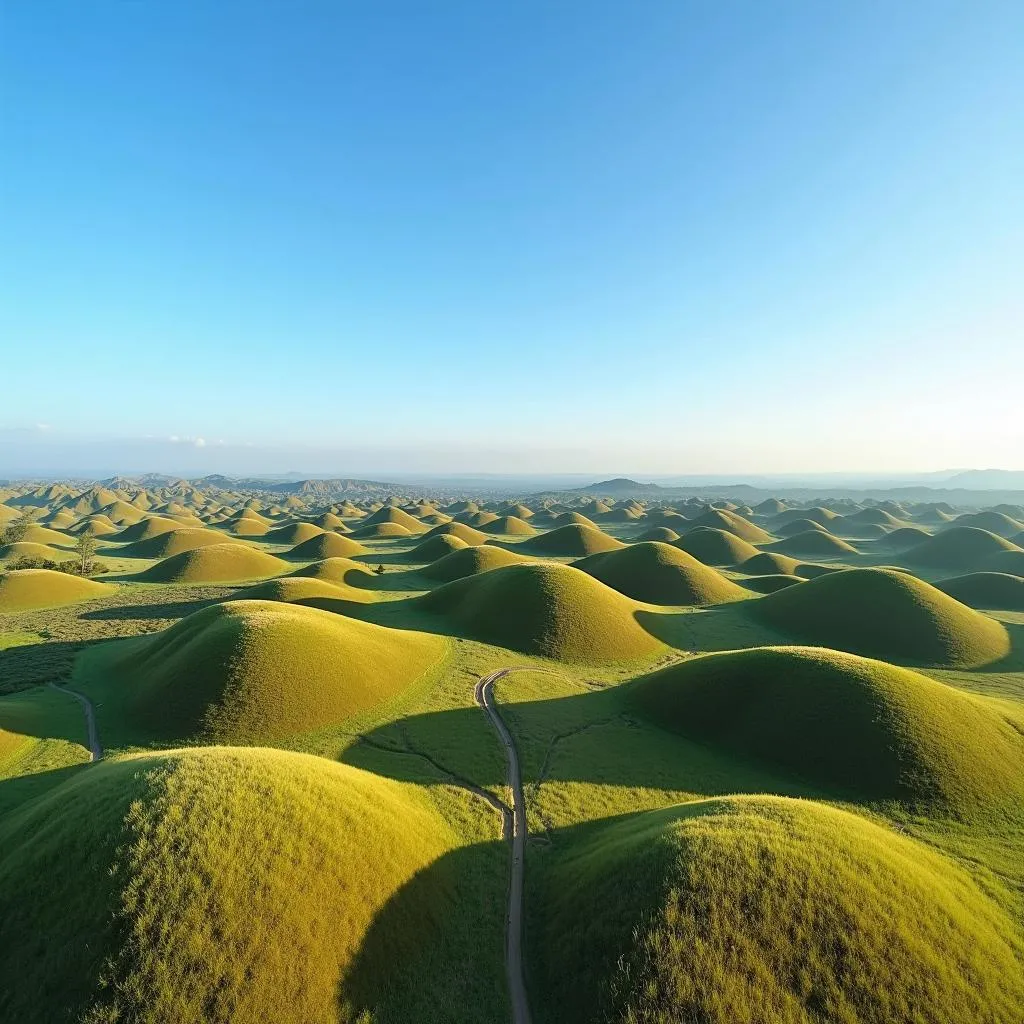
(988, 479)
(620, 485)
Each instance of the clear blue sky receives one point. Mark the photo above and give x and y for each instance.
(656, 236)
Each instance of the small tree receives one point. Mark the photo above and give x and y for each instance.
(379, 570)
(85, 549)
(17, 529)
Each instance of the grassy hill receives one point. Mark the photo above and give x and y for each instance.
(552, 610)
(574, 540)
(256, 672)
(212, 884)
(660, 574)
(214, 564)
(327, 545)
(765, 909)
(22, 589)
(716, 547)
(883, 613)
(986, 590)
(469, 561)
(959, 547)
(859, 728)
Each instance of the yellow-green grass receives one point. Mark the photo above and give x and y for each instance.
(866, 517)
(883, 613)
(664, 534)
(813, 544)
(217, 563)
(959, 547)
(380, 530)
(660, 574)
(95, 526)
(995, 522)
(252, 515)
(573, 519)
(798, 526)
(337, 570)
(145, 529)
(37, 534)
(905, 537)
(986, 590)
(552, 610)
(510, 526)
(824, 516)
(460, 530)
(769, 563)
(254, 672)
(573, 540)
(27, 549)
(769, 583)
(856, 727)
(723, 519)
(435, 547)
(41, 730)
(520, 511)
(470, 561)
(298, 589)
(173, 542)
(476, 519)
(767, 910)
(327, 545)
(293, 533)
(23, 589)
(394, 517)
(716, 547)
(247, 528)
(218, 884)
(329, 521)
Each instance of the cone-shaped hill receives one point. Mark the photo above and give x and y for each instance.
(23, 589)
(663, 534)
(258, 672)
(215, 564)
(395, 516)
(461, 530)
(203, 877)
(852, 726)
(296, 589)
(986, 590)
(959, 547)
(722, 519)
(293, 533)
(715, 547)
(174, 542)
(37, 552)
(574, 541)
(882, 613)
(510, 526)
(434, 548)
(723, 910)
(145, 529)
(552, 610)
(813, 544)
(327, 545)
(770, 563)
(337, 570)
(660, 574)
(373, 531)
(470, 561)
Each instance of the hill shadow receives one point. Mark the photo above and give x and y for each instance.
(16, 792)
(29, 665)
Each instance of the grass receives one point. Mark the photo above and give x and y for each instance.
(469, 561)
(41, 730)
(660, 574)
(769, 910)
(216, 563)
(327, 545)
(986, 590)
(24, 589)
(716, 547)
(219, 884)
(250, 672)
(171, 542)
(813, 544)
(860, 729)
(959, 547)
(552, 610)
(883, 613)
(573, 540)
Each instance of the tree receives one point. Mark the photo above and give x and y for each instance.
(17, 529)
(85, 549)
(379, 570)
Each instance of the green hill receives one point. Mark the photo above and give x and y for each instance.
(662, 534)
(553, 610)
(769, 563)
(572, 540)
(23, 589)
(394, 517)
(337, 570)
(859, 728)
(986, 590)
(813, 544)
(257, 672)
(172, 542)
(215, 564)
(145, 529)
(327, 545)
(715, 547)
(470, 561)
(434, 548)
(722, 519)
(460, 530)
(766, 909)
(660, 574)
(296, 589)
(218, 884)
(882, 613)
(510, 526)
(373, 531)
(959, 547)
(293, 533)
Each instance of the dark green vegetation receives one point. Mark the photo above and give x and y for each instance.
(356, 874)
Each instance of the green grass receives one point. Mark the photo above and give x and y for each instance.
(769, 910)
(224, 884)
(469, 561)
(217, 563)
(251, 672)
(41, 730)
(861, 729)
(959, 547)
(26, 589)
(986, 590)
(716, 547)
(883, 613)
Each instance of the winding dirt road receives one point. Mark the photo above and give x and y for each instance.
(95, 750)
(484, 694)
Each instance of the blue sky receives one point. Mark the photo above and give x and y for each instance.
(651, 237)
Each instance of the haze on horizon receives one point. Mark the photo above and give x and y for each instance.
(682, 238)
